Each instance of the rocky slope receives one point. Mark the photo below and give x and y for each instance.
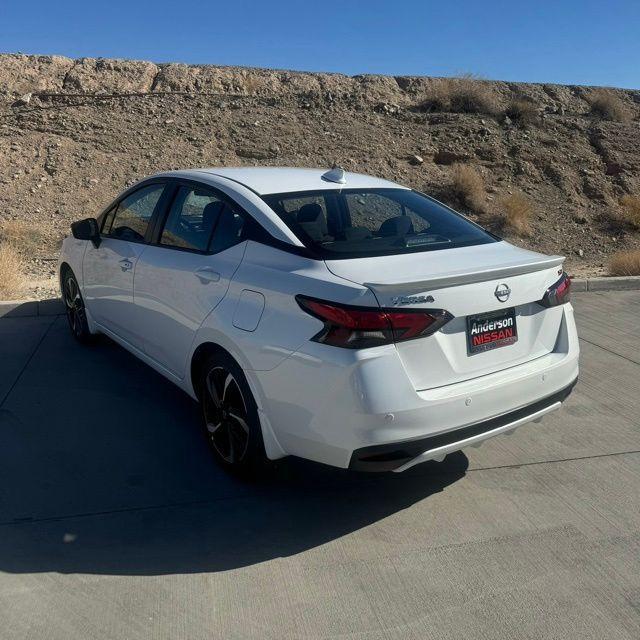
(74, 132)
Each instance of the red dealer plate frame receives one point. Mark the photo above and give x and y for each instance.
(487, 331)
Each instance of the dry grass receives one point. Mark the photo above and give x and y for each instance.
(466, 94)
(607, 105)
(18, 240)
(11, 273)
(516, 212)
(523, 112)
(625, 263)
(467, 187)
(630, 210)
(20, 235)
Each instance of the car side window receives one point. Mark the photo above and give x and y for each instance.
(228, 231)
(107, 219)
(191, 220)
(130, 219)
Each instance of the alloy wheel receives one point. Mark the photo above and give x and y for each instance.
(225, 413)
(75, 306)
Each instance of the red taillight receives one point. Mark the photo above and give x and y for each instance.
(361, 327)
(558, 293)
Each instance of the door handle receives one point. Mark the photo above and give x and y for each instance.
(207, 274)
(126, 264)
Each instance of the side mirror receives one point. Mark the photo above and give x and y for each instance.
(86, 229)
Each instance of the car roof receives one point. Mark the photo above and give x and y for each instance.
(266, 180)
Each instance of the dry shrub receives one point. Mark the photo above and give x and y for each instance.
(516, 214)
(11, 270)
(630, 210)
(625, 263)
(467, 187)
(607, 105)
(523, 112)
(466, 94)
(19, 235)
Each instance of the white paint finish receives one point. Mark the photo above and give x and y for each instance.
(108, 287)
(328, 389)
(538, 328)
(266, 180)
(442, 358)
(314, 400)
(174, 292)
(283, 326)
(72, 253)
(411, 273)
(249, 310)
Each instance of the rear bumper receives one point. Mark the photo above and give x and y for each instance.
(339, 407)
(399, 456)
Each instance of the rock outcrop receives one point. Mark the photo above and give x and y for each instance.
(74, 132)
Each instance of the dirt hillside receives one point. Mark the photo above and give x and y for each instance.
(555, 168)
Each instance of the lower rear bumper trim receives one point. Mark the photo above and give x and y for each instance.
(398, 456)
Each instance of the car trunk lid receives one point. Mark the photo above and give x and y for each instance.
(466, 282)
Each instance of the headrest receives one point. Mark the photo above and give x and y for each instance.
(398, 226)
(313, 230)
(311, 212)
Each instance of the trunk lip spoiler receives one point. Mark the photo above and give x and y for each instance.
(468, 276)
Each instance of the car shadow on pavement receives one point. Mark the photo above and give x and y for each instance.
(104, 470)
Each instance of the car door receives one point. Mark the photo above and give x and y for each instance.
(186, 272)
(109, 269)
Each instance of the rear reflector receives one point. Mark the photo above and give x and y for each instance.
(360, 327)
(558, 293)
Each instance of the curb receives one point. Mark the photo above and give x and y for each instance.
(31, 308)
(55, 306)
(618, 283)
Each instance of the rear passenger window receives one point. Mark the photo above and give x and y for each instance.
(193, 216)
(131, 218)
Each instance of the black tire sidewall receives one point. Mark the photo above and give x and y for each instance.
(84, 335)
(255, 459)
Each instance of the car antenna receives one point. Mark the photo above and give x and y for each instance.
(336, 174)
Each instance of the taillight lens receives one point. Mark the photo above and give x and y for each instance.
(360, 327)
(558, 293)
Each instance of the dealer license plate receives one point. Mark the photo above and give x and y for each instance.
(491, 330)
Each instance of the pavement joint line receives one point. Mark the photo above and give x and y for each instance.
(26, 364)
(613, 353)
(516, 465)
(201, 503)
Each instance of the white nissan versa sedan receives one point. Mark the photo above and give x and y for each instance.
(323, 314)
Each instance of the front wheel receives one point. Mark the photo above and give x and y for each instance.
(230, 416)
(74, 305)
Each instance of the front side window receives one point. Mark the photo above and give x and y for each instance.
(351, 223)
(130, 219)
(191, 220)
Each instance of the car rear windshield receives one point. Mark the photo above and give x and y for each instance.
(352, 223)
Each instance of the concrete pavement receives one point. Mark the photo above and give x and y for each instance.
(115, 524)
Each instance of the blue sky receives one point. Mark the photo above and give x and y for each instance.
(576, 42)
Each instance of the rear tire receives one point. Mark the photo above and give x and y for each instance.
(74, 305)
(230, 417)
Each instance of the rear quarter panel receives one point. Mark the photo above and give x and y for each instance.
(282, 326)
